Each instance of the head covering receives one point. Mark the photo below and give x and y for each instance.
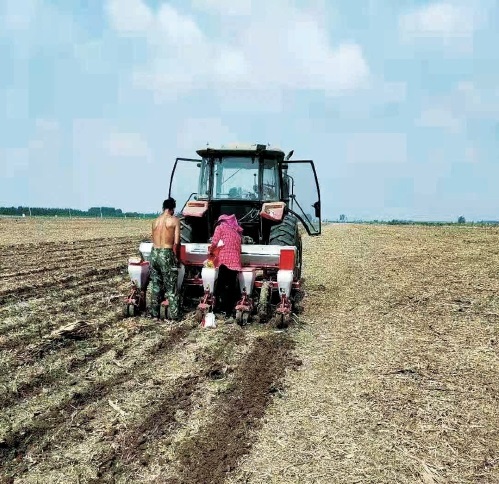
(230, 221)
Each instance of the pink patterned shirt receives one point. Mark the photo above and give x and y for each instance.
(230, 253)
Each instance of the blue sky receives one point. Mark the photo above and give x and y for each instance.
(396, 101)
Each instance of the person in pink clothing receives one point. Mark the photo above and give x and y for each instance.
(226, 248)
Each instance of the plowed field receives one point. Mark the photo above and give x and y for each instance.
(389, 375)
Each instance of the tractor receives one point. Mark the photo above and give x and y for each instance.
(270, 195)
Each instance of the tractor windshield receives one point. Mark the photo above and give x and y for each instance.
(238, 178)
(235, 178)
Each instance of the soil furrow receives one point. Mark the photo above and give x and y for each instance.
(161, 406)
(38, 253)
(32, 434)
(128, 448)
(39, 262)
(69, 358)
(22, 250)
(39, 324)
(75, 261)
(75, 296)
(215, 451)
(38, 350)
(49, 349)
(17, 294)
(43, 381)
(57, 271)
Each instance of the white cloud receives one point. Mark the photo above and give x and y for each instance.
(451, 23)
(295, 55)
(129, 17)
(226, 7)
(178, 29)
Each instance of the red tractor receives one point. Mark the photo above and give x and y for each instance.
(270, 195)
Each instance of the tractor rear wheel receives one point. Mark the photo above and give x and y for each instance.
(298, 256)
(284, 233)
(287, 233)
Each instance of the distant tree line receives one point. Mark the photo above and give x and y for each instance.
(429, 223)
(460, 220)
(71, 212)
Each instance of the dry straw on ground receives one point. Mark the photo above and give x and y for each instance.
(398, 383)
(400, 362)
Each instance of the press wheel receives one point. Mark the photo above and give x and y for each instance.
(239, 318)
(198, 316)
(282, 321)
(129, 310)
(246, 316)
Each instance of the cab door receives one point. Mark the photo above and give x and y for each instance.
(304, 193)
(187, 181)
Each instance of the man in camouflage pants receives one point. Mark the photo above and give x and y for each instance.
(164, 261)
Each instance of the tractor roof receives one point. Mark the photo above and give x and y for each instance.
(241, 149)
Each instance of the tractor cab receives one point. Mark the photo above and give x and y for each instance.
(257, 183)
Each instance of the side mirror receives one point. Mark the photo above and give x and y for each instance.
(199, 165)
(317, 208)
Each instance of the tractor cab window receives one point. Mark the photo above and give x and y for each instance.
(270, 188)
(235, 178)
(204, 180)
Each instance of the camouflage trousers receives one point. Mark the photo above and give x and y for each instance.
(164, 272)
